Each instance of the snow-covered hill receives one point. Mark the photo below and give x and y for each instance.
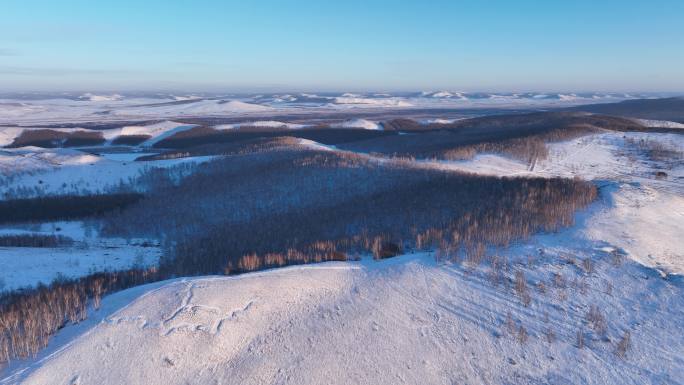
(155, 131)
(645, 213)
(34, 159)
(193, 108)
(407, 320)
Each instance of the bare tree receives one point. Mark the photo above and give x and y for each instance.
(522, 335)
(521, 288)
(624, 344)
(550, 335)
(588, 266)
(597, 320)
(580, 339)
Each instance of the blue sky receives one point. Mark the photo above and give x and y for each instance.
(342, 45)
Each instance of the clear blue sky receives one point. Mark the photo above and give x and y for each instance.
(342, 45)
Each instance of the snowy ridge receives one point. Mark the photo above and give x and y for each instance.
(445, 95)
(358, 123)
(101, 98)
(659, 123)
(261, 123)
(438, 121)
(194, 108)
(378, 102)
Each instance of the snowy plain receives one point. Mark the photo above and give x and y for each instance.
(39, 172)
(29, 266)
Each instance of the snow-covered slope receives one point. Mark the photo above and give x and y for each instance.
(645, 214)
(8, 134)
(660, 123)
(646, 222)
(155, 131)
(407, 320)
(33, 159)
(32, 171)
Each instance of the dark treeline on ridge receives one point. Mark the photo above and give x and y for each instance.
(521, 136)
(47, 138)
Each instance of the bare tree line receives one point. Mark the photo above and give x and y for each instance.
(28, 318)
(34, 240)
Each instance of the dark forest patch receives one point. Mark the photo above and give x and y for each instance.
(63, 207)
(130, 140)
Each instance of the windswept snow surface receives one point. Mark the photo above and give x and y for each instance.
(406, 320)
